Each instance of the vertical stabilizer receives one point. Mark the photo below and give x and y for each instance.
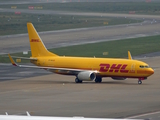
(37, 47)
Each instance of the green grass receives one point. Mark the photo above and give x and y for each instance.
(111, 7)
(16, 24)
(115, 49)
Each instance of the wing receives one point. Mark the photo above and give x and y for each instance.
(24, 58)
(68, 71)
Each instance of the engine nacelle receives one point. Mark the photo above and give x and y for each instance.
(118, 78)
(86, 76)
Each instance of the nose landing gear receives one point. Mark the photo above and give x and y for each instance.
(140, 80)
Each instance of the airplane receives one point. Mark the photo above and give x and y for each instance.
(29, 117)
(84, 68)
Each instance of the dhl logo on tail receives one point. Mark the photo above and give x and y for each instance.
(35, 40)
(96, 68)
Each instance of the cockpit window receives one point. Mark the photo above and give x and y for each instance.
(146, 66)
(142, 66)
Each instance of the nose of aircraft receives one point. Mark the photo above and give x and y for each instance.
(151, 71)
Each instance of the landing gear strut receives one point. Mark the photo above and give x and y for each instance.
(139, 81)
(98, 80)
(78, 81)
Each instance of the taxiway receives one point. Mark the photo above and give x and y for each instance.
(56, 95)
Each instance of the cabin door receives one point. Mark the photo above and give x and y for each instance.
(133, 68)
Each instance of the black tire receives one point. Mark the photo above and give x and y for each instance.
(139, 82)
(78, 81)
(98, 80)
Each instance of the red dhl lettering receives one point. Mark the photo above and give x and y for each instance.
(122, 70)
(35, 40)
(113, 68)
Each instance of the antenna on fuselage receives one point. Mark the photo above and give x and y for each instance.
(129, 55)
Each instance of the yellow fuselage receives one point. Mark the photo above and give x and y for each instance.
(107, 67)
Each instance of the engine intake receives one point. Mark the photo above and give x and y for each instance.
(86, 76)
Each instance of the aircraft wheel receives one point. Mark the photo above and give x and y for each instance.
(98, 80)
(139, 82)
(78, 81)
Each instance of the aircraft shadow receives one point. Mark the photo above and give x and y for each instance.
(85, 82)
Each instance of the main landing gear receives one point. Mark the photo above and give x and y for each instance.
(78, 81)
(98, 80)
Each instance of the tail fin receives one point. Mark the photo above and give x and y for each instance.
(37, 47)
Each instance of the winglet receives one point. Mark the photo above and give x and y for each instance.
(129, 55)
(28, 113)
(12, 61)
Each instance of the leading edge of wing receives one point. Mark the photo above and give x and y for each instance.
(14, 63)
(48, 68)
(25, 58)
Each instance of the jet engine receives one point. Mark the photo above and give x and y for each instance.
(86, 76)
(118, 78)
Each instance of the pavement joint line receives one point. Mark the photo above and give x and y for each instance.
(24, 90)
(141, 115)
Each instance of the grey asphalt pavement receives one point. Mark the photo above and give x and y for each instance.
(57, 95)
(10, 72)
